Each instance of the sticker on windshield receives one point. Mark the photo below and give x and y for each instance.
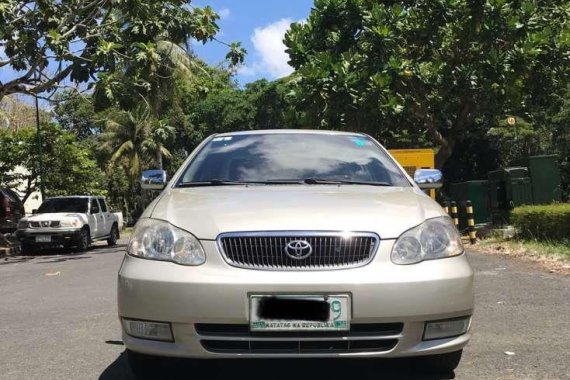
(228, 138)
(359, 141)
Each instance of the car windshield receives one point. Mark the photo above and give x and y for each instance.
(282, 158)
(63, 205)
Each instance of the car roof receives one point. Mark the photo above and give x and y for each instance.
(290, 131)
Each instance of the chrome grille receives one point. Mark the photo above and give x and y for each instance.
(268, 250)
(45, 224)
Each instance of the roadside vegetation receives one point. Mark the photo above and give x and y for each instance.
(443, 74)
(542, 234)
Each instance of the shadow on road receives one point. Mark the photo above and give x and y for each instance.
(56, 255)
(286, 369)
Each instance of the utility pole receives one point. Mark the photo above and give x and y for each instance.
(512, 121)
(40, 155)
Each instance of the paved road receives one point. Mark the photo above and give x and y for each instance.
(58, 320)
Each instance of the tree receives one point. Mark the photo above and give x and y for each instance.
(444, 69)
(75, 113)
(16, 114)
(68, 166)
(126, 135)
(45, 42)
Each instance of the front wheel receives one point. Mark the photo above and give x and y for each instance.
(114, 236)
(441, 363)
(144, 366)
(84, 240)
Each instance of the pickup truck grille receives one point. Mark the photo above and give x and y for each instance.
(292, 250)
(45, 224)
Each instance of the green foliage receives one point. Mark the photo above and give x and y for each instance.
(261, 105)
(88, 37)
(442, 71)
(75, 113)
(68, 166)
(543, 222)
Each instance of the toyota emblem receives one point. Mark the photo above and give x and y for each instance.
(298, 249)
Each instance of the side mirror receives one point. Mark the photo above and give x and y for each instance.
(35, 211)
(428, 179)
(94, 210)
(153, 179)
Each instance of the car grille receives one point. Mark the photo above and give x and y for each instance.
(45, 224)
(237, 339)
(290, 250)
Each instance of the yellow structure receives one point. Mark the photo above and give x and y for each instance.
(413, 159)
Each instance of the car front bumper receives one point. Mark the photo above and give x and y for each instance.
(216, 294)
(57, 236)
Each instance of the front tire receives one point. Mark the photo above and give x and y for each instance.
(84, 240)
(144, 366)
(112, 241)
(442, 363)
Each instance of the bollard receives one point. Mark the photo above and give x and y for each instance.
(446, 207)
(471, 223)
(454, 213)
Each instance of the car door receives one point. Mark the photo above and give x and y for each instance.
(107, 220)
(95, 218)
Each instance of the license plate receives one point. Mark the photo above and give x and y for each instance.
(43, 239)
(299, 313)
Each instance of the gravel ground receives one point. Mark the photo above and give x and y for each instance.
(59, 321)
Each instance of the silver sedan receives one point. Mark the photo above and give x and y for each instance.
(294, 244)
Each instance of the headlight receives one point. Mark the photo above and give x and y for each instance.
(158, 240)
(436, 238)
(73, 223)
(22, 224)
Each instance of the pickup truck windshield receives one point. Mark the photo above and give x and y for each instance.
(292, 158)
(78, 205)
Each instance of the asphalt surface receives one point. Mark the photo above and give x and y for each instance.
(58, 320)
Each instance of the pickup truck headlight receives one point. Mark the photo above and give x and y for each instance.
(435, 238)
(158, 240)
(70, 223)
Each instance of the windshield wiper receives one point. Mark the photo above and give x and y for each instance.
(307, 181)
(320, 181)
(213, 182)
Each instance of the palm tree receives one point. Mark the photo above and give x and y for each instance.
(126, 132)
(139, 137)
(159, 135)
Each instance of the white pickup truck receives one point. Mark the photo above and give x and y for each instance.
(73, 221)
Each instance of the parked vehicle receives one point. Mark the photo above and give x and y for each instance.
(270, 244)
(74, 221)
(11, 210)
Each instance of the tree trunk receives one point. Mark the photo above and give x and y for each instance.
(446, 145)
(443, 154)
(29, 190)
(159, 157)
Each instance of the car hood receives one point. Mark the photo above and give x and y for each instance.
(209, 211)
(54, 216)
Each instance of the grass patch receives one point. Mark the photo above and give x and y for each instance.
(126, 232)
(560, 250)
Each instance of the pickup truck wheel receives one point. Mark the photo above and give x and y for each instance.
(114, 236)
(84, 240)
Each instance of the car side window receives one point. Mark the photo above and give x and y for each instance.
(103, 205)
(94, 206)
